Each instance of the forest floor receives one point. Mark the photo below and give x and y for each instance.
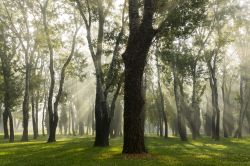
(80, 151)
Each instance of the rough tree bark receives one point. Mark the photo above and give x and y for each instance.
(134, 57)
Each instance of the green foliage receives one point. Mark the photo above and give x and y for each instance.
(10, 80)
(35, 81)
(182, 17)
(63, 116)
(77, 66)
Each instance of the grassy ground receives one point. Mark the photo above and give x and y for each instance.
(80, 151)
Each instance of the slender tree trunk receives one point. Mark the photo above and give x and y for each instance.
(181, 121)
(217, 129)
(225, 108)
(215, 104)
(72, 121)
(6, 71)
(113, 106)
(5, 124)
(11, 128)
(53, 117)
(33, 115)
(53, 107)
(81, 128)
(43, 116)
(93, 121)
(36, 112)
(163, 113)
(1, 118)
(26, 102)
(160, 124)
(195, 112)
(213, 112)
(244, 102)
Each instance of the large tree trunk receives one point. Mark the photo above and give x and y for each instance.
(101, 116)
(133, 111)
(134, 57)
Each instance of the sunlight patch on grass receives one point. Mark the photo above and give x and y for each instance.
(242, 141)
(75, 150)
(115, 149)
(80, 150)
(167, 157)
(104, 156)
(5, 153)
(203, 156)
(216, 146)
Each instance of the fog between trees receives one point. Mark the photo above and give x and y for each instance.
(124, 68)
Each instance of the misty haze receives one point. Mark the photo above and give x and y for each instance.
(124, 82)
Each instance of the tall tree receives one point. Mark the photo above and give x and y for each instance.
(141, 34)
(10, 91)
(53, 107)
(22, 31)
(103, 112)
(161, 96)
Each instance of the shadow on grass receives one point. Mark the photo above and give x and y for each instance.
(171, 151)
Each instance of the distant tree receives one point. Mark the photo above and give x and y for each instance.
(53, 106)
(98, 12)
(242, 45)
(10, 89)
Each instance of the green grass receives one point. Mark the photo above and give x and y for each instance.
(80, 151)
